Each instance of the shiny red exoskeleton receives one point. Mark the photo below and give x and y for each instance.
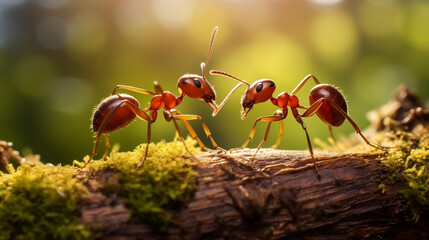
(325, 101)
(119, 110)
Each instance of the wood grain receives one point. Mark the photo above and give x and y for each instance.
(275, 196)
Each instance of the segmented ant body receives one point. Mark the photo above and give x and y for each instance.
(119, 110)
(325, 101)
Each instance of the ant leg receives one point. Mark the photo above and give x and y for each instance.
(280, 136)
(332, 135)
(317, 104)
(187, 117)
(147, 146)
(181, 138)
(133, 89)
(303, 81)
(144, 116)
(310, 148)
(94, 151)
(137, 111)
(191, 131)
(263, 140)
(268, 119)
(107, 146)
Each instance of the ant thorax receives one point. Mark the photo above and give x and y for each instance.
(282, 100)
(169, 99)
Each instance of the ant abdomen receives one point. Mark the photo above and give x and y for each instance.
(326, 113)
(121, 118)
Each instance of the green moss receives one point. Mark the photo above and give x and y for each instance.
(40, 203)
(409, 161)
(165, 180)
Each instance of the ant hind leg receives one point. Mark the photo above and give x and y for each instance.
(94, 151)
(106, 135)
(332, 135)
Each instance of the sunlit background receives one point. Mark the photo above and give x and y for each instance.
(59, 58)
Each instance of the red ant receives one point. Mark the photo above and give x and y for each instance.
(325, 101)
(119, 110)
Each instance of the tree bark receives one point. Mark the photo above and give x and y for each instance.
(275, 196)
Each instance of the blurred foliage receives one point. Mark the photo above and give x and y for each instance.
(58, 58)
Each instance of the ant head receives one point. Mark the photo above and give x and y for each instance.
(196, 86)
(257, 92)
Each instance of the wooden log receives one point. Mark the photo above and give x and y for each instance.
(275, 196)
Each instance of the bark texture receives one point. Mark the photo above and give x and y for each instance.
(276, 196)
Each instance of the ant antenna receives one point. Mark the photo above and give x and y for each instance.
(204, 64)
(158, 88)
(226, 98)
(217, 72)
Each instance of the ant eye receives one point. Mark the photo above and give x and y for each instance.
(259, 87)
(197, 82)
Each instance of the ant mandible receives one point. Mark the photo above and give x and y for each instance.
(119, 110)
(325, 101)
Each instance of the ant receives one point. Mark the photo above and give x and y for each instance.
(326, 102)
(119, 110)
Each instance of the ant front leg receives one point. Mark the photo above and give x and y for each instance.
(176, 115)
(191, 131)
(277, 116)
(278, 113)
(179, 132)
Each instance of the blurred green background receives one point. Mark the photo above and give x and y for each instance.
(59, 58)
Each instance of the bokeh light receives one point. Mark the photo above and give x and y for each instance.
(174, 14)
(33, 75)
(52, 4)
(51, 32)
(86, 34)
(417, 29)
(335, 39)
